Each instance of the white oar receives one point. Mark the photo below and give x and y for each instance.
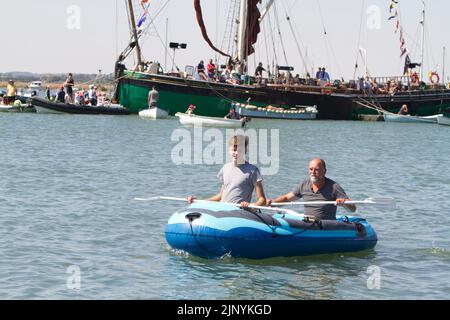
(232, 204)
(384, 202)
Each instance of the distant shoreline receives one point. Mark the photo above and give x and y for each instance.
(104, 86)
(104, 82)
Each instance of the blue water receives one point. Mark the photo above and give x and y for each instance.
(66, 201)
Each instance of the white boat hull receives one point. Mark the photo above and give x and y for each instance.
(409, 119)
(443, 120)
(154, 113)
(13, 108)
(194, 120)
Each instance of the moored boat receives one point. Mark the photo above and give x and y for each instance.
(46, 106)
(153, 113)
(388, 117)
(195, 120)
(443, 120)
(334, 100)
(212, 230)
(299, 113)
(35, 85)
(17, 108)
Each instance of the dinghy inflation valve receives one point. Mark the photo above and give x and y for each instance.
(192, 216)
(310, 219)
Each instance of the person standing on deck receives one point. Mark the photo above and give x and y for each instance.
(153, 97)
(11, 93)
(93, 95)
(47, 93)
(60, 95)
(319, 76)
(69, 87)
(325, 76)
(318, 188)
(259, 72)
(201, 71)
(211, 69)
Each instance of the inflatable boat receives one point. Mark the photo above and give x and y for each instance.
(212, 230)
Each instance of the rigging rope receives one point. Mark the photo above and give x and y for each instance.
(269, 20)
(266, 47)
(279, 33)
(299, 45)
(327, 40)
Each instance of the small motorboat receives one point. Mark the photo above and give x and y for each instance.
(36, 85)
(443, 120)
(212, 230)
(392, 117)
(298, 113)
(201, 121)
(154, 113)
(17, 106)
(22, 108)
(46, 106)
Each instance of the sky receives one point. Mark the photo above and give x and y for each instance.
(84, 36)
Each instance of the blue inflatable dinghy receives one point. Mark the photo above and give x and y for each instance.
(211, 230)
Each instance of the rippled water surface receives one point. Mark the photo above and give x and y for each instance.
(67, 185)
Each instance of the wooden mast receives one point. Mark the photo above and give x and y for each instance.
(242, 45)
(136, 38)
(422, 45)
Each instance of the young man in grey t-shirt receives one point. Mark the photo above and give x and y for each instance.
(318, 188)
(239, 178)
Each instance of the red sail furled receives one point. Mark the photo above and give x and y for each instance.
(253, 28)
(198, 10)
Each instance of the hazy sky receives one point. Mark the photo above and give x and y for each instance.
(49, 37)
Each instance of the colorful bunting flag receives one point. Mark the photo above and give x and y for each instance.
(403, 50)
(142, 20)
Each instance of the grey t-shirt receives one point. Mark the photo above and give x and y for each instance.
(238, 182)
(329, 192)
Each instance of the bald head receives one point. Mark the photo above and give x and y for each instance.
(318, 162)
(317, 169)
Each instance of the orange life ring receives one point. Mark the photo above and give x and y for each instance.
(434, 77)
(415, 78)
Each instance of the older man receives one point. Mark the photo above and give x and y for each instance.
(318, 188)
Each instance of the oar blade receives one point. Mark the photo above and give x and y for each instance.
(385, 202)
(147, 199)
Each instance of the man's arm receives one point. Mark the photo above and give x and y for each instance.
(283, 198)
(348, 207)
(260, 194)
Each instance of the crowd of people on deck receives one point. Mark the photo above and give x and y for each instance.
(67, 95)
(322, 79)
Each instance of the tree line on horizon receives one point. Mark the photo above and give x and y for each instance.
(52, 77)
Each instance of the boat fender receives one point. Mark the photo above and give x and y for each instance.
(434, 77)
(192, 216)
(360, 230)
